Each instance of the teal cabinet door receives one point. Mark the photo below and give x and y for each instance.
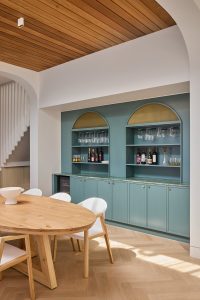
(179, 211)
(137, 204)
(105, 192)
(120, 201)
(90, 188)
(76, 189)
(157, 207)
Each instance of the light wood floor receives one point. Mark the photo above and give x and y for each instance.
(145, 268)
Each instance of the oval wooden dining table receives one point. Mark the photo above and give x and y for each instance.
(41, 217)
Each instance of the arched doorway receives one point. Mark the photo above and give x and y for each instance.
(32, 94)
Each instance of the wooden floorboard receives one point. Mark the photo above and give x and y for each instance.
(145, 268)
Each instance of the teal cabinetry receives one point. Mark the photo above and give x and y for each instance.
(178, 211)
(90, 187)
(105, 192)
(82, 188)
(138, 207)
(157, 207)
(148, 206)
(76, 189)
(120, 201)
(153, 206)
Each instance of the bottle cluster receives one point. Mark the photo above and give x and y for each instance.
(95, 155)
(150, 158)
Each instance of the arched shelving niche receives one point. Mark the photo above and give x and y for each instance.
(154, 144)
(90, 120)
(90, 145)
(153, 113)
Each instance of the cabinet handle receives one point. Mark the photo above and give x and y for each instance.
(143, 186)
(108, 182)
(149, 187)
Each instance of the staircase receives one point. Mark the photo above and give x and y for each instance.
(14, 118)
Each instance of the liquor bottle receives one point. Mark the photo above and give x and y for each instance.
(155, 158)
(92, 157)
(149, 159)
(101, 155)
(138, 158)
(96, 155)
(89, 155)
(143, 158)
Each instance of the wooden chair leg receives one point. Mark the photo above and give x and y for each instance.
(106, 237)
(108, 248)
(73, 246)
(1, 276)
(86, 254)
(79, 245)
(55, 245)
(30, 271)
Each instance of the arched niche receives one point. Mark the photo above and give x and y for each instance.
(90, 120)
(153, 113)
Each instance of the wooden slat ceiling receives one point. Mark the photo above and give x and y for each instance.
(57, 31)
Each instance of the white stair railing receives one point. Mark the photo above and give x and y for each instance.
(14, 117)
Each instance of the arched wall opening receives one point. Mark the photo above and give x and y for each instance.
(33, 124)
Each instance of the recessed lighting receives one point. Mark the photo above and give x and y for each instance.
(20, 22)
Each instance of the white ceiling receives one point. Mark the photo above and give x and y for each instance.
(4, 80)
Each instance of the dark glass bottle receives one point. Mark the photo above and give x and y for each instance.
(155, 158)
(138, 158)
(89, 154)
(149, 159)
(92, 159)
(143, 158)
(96, 155)
(101, 155)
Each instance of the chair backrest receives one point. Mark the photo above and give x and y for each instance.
(33, 192)
(61, 196)
(96, 205)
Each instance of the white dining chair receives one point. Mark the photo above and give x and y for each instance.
(98, 206)
(62, 197)
(11, 256)
(33, 192)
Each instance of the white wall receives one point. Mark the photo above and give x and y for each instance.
(154, 60)
(187, 15)
(49, 143)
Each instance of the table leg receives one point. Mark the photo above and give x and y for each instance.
(86, 254)
(47, 274)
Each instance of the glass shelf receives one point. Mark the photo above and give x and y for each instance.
(91, 146)
(90, 163)
(153, 166)
(152, 145)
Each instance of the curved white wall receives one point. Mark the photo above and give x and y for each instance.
(187, 15)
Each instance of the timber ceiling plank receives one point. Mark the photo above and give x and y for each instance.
(89, 20)
(99, 12)
(57, 31)
(126, 16)
(30, 9)
(73, 6)
(81, 22)
(39, 29)
(155, 11)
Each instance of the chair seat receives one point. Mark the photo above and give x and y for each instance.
(95, 229)
(10, 253)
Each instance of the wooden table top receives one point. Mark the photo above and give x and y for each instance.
(42, 215)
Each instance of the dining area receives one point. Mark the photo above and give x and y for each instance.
(31, 226)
